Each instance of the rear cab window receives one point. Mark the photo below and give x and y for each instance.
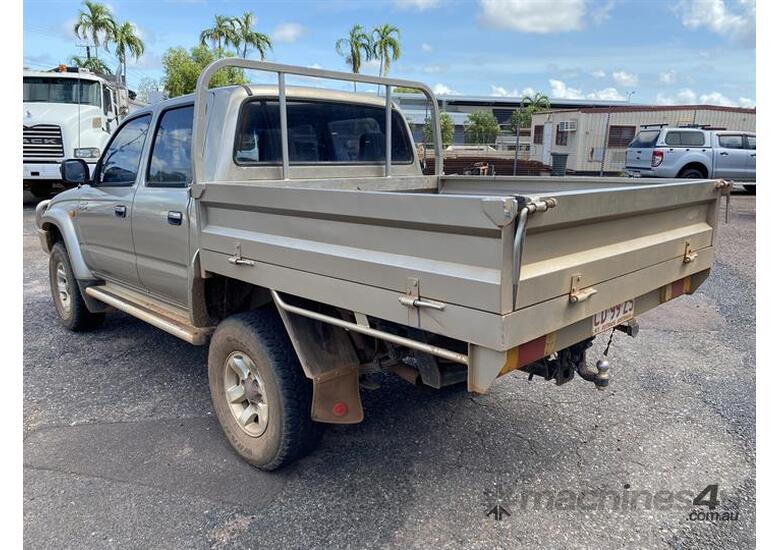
(644, 139)
(318, 132)
(170, 163)
(731, 141)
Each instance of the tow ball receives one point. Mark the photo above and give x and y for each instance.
(600, 375)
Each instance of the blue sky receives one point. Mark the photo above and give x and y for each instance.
(666, 51)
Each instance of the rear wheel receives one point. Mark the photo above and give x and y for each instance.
(41, 189)
(259, 392)
(68, 302)
(750, 189)
(691, 173)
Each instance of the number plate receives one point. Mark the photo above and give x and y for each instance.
(613, 316)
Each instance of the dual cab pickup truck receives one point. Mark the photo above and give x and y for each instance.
(292, 231)
(695, 153)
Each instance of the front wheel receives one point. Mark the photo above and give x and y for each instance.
(68, 302)
(259, 392)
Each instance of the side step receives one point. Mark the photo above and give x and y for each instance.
(162, 316)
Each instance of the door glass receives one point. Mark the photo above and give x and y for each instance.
(730, 141)
(170, 162)
(119, 165)
(751, 142)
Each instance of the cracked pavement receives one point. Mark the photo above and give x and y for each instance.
(121, 449)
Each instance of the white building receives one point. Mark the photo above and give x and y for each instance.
(596, 138)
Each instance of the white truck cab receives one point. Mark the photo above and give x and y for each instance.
(67, 113)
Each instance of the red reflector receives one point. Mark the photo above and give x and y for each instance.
(658, 158)
(339, 409)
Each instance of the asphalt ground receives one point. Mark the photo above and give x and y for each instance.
(121, 449)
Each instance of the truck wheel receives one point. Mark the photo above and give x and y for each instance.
(259, 392)
(65, 292)
(41, 190)
(750, 189)
(691, 173)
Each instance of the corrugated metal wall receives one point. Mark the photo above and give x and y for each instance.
(586, 144)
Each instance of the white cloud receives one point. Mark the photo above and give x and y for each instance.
(598, 73)
(500, 91)
(667, 77)
(420, 5)
(714, 15)
(623, 78)
(443, 89)
(607, 94)
(287, 32)
(559, 90)
(427, 48)
(601, 12)
(533, 16)
(686, 96)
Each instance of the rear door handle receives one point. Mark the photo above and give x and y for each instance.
(174, 217)
(120, 210)
(723, 153)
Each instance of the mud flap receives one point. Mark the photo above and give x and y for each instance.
(337, 397)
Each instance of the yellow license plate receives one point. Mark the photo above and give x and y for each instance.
(613, 316)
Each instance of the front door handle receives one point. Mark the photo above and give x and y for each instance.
(174, 217)
(120, 210)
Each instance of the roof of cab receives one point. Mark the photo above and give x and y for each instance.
(241, 92)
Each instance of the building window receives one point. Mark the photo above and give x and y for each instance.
(539, 134)
(561, 138)
(620, 136)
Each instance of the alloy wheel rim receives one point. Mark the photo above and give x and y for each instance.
(63, 288)
(245, 394)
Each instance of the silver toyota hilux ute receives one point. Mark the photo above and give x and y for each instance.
(293, 232)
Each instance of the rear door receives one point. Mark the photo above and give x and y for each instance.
(750, 167)
(160, 213)
(730, 155)
(105, 209)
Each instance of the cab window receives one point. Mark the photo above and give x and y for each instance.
(170, 162)
(119, 165)
(730, 141)
(319, 132)
(751, 142)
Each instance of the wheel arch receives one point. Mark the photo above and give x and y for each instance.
(56, 225)
(695, 165)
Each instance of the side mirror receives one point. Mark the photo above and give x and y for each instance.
(74, 171)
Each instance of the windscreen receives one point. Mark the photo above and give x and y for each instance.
(319, 132)
(39, 89)
(644, 139)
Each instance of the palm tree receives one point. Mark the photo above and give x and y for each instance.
(386, 46)
(246, 37)
(222, 31)
(96, 23)
(127, 41)
(93, 64)
(355, 48)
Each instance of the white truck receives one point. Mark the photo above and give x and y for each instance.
(67, 113)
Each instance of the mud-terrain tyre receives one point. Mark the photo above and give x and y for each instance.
(259, 391)
(65, 292)
(750, 189)
(691, 173)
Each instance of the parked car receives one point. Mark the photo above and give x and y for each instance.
(661, 152)
(292, 231)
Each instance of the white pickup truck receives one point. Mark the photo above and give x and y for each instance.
(662, 152)
(292, 231)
